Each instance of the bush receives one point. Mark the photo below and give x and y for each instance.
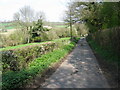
(16, 38)
(62, 32)
(3, 39)
(81, 29)
(52, 35)
(55, 33)
(44, 37)
(36, 39)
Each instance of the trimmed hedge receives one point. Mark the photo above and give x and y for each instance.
(16, 59)
(15, 79)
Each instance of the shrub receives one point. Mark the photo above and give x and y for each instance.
(16, 38)
(52, 35)
(3, 38)
(81, 29)
(36, 39)
(44, 37)
(19, 37)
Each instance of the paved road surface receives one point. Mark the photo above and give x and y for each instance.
(79, 70)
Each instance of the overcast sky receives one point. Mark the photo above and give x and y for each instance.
(53, 9)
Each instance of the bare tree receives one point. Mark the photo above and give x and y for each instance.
(27, 14)
(40, 15)
(25, 17)
(16, 16)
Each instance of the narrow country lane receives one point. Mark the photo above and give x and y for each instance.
(79, 70)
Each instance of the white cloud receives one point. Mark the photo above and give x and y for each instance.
(53, 9)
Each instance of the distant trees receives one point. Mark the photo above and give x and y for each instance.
(26, 17)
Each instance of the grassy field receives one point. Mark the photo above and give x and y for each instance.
(23, 45)
(61, 26)
(55, 24)
(7, 25)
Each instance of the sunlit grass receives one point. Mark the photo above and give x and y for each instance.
(60, 26)
(7, 25)
(24, 45)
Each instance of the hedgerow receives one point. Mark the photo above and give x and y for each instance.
(106, 43)
(16, 59)
(15, 79)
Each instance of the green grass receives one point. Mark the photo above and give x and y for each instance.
(7, 25)
(107, 54)
(60, 26)
(10, 27)
(12, 80)
(24, 45)
(4, 24)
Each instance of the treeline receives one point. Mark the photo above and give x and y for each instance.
(102, 20)
(96, 15)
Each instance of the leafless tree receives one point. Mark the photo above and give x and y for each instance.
(40, 15)
(16, 16)
(26, 15)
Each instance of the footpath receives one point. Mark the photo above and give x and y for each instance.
(79, 70)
